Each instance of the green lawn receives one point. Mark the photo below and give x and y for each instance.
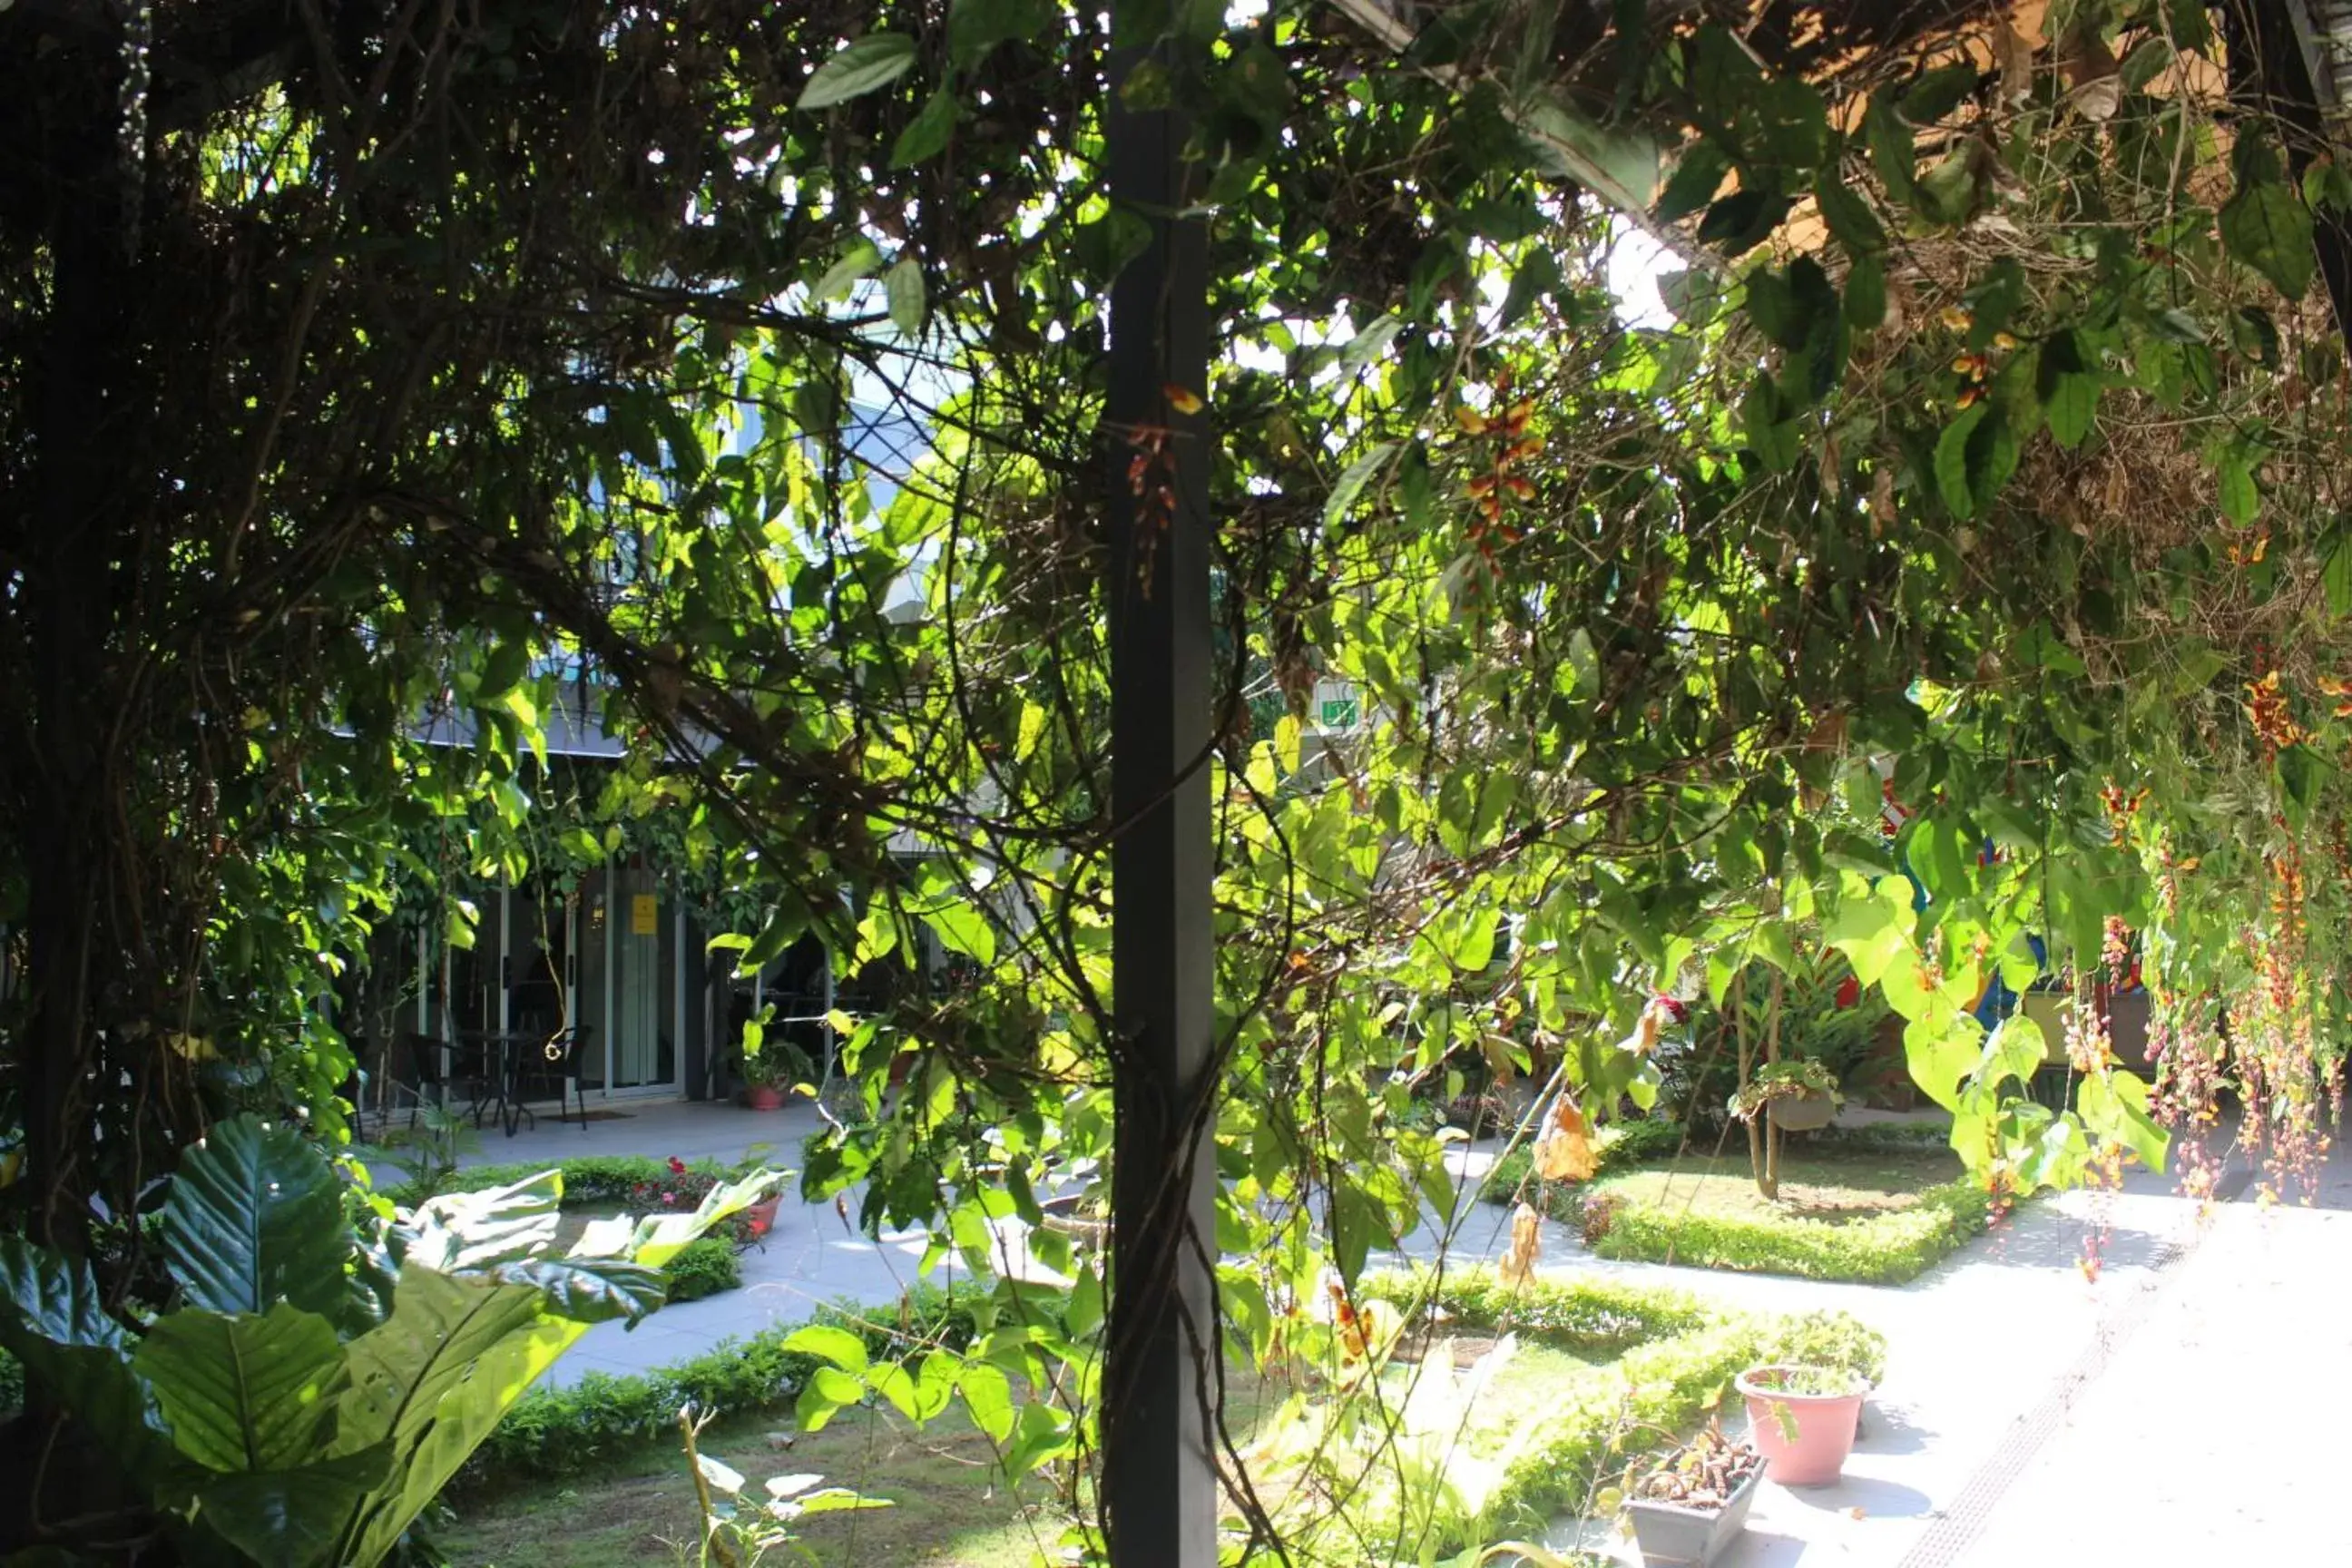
(1829, 1182)
(950, 1510)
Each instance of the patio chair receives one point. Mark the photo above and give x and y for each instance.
(465, 1073)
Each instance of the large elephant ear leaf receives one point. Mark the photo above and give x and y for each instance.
(662, 1238)
(292, 1519)
(245, 1394)
(588, 1289)
(254, 1217)
(53, 1321)
(466, 1233)
(432, 1381)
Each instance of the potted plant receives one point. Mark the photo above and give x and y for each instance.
(1688, 1505)
(1798, 1094)
(1803, 1419)
(770, 1069)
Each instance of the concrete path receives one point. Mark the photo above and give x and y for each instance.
(816, 1252)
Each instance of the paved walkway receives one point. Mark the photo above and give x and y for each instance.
(816, 1252)
(2029, 1416)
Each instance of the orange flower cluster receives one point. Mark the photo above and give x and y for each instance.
(2116, 950)
(2266, 711)
(2121, 808)
(2340, 691)
(1512, 446)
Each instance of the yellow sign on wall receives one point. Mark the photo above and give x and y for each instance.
(644, 914)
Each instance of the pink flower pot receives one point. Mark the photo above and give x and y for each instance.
(763, 1097)
(1804, 1437)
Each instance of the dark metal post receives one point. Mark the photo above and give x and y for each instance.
(1159, 1487)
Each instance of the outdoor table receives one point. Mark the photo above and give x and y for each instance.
(506, 1051)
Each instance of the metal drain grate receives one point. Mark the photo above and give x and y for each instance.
(1956, 1528)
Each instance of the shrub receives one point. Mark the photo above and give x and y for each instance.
(703, 1267)
(1579, 1314)
(11, 1384)
(592, 1178)
(1616, 1146)
(1883, 1249)
(1835, 1339)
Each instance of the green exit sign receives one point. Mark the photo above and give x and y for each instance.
(1338, 713)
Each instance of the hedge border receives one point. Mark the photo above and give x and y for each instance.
(554, 1433)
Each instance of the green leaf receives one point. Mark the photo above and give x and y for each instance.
(588, 1290)
(1741, 221)
(828, 1391)
(1584, 664)
(1849, 217)
(926, 136)
(862, 257)
(2336, 571)
(903, 285)
(1940, 1055)
(963, 928)
(502, 671)
(1769, 426)
(245, 1393)
(1952, 461)
(1352, 480)
(976, 26)
(1865, 293)
(468, 1233)
(2265, 227)
(430, 1382)
(860, 67)
(256, 1216)
(53, 1319)
(1694, 183)
(893, 1384)
(2143, 64)
(1938, 93)
(2067, 387)
(1892, 152)
(828, 1344)
(935, 1385)
(2113, 1105)
(2241, 498)
(290, 1518)
(1776, 308)
(988, 1397)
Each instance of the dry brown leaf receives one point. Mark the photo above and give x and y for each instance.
(1564, 1152)
(2015, 57)
(1527, 1242)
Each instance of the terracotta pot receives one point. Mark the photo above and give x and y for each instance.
(1804, 1437)
(763, 1097)
(760, 1218)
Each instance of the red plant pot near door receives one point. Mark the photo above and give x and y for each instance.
(1804, 1436)
(763, 1097)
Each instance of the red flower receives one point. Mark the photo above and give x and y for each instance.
(677, 1166)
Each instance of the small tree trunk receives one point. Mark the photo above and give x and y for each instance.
(1771, 1183)
(1747, 1053)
